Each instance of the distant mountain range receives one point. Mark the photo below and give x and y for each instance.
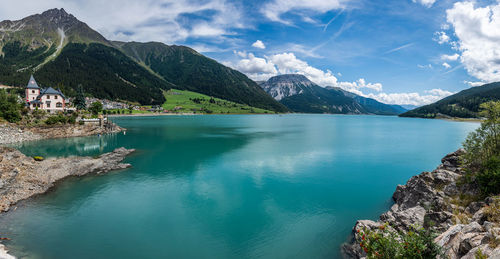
(464, 104)
(299, 94)
(64, 52)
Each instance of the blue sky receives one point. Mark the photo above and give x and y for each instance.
(396, 51)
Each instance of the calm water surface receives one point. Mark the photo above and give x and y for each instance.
(259, 186)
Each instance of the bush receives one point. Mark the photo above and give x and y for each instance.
(95, 108)
(488, 177)
(72, 118)
(482, 159)
(384, 243)
(10, 109)
(55, 119)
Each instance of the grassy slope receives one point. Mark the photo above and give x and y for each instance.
(184, 99)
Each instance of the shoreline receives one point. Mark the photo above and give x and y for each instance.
(23, 178)
(12, 133)
(432, 200)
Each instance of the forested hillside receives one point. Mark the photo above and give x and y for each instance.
(465, 104)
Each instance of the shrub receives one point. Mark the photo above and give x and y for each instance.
(482, 159)
(72, 118)
(38, 158)
(488, 177)
(10, 109)
(95, 108)
(385, 243)
(55, 119)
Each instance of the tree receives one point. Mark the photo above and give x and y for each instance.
(484, 143)
(10, 108)
(95, 108)
(80, 99)
(482, 157)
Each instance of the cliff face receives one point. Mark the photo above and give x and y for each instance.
(437, 201)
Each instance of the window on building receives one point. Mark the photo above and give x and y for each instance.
(48, 96)
(58, 105)
(48, 104)
(55, 96)
(32, 91)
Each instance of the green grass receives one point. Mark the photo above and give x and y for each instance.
(191, 102)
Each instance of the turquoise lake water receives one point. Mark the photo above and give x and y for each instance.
(263, 186)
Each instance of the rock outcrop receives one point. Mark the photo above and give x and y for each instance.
(435, 200)
(22, 177)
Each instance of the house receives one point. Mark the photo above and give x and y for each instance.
(48, 99)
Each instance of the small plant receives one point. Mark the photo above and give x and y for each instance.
(479, 254)
(492, 211)
(385, 243)
(38, 158)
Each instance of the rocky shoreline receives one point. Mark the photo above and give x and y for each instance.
(22, 177)
(438, 201)
(12, 133)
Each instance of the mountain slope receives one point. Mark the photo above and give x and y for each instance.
(464, 104)
(299, 94)
(189, 70)
(64, 52)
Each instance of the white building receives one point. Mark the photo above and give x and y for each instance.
(46, 99)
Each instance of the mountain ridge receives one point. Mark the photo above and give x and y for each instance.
(464, 104)
(300, 94)
(55, 45)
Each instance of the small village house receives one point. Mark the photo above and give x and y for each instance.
(48, 99)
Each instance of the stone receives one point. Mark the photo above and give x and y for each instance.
(425, 200)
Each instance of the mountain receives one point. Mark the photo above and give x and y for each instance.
(62, 51)
(190, 70)
(464, 104)
(299, 94)
(409, 106)
(371, 105)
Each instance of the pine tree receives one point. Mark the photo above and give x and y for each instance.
(80, 99)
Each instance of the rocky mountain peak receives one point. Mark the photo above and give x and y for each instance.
(290, 78)
(283, 86)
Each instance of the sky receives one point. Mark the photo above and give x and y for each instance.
(395, 51)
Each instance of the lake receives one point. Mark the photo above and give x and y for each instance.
(228, 186)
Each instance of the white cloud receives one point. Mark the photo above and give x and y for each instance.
(446, 65)
(287, 63)
(473, 84)
(453, 57)
(478, 33)
(256, 68)
(424, 66)
(441, 37)
(142, 20)
(426, 3)
(274, 9)
(417, 99)
(259, 44)
(242, 54)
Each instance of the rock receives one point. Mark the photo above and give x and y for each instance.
(4, 254)
(32, 178)
(11, 133)
(426, 200)
(474, 207)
